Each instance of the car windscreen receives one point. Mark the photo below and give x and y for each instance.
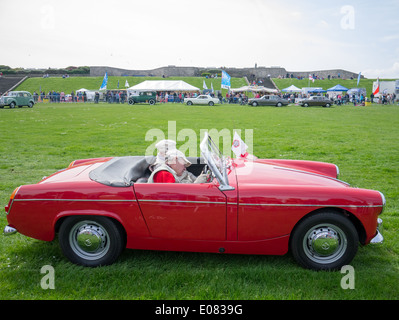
(215, 160)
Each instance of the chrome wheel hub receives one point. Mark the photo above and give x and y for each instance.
(89, 240)
(325, 243)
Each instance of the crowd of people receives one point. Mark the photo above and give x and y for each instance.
(122, 96)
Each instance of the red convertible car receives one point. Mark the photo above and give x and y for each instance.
(100, 206)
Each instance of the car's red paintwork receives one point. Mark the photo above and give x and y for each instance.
(269, 198)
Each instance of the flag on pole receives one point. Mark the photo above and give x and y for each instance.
(377, 90)
(225, 80)
(212, 86)
(239, 147)
(311, 78)
(204, 85)
(126, 84)
(105, 81)
(358, 78)
(118, 84)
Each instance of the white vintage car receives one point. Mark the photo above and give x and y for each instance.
(201, 99)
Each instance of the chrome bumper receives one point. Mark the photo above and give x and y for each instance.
(9, 231)
(378, 237)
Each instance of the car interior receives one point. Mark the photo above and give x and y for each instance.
(125, 171)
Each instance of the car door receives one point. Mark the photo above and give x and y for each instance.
(202, 100)
(26, 98)
(313, 101)
(183, 211)
(20, 99)
(264, 101)
(273, 100)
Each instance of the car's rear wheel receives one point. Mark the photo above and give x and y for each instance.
(131, 101)
(324, 241)
(189, 103)
(210, 103)
(151, 102)
(279, 104)
(328, 105)
(306, 105)
(254, 104)
(30, 105)
(91, 240)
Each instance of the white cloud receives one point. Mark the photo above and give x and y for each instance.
(391, 72)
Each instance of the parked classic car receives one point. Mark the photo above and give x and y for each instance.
(316, 101)
(260, 206)
(201, 99)
(268, 100)
(17, 98)
(144, 97)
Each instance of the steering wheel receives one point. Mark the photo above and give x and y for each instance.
(208, 172)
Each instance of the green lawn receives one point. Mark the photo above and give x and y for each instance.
(362, 141)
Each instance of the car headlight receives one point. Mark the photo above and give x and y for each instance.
(383, 201)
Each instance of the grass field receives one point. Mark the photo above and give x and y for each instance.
(68, 85)
(362, 141)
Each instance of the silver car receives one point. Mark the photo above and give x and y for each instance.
(268, 100)
(316, 101)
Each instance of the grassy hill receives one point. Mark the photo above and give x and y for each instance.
(93, 83)
(68, 85)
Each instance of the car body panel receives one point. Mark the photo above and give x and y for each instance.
(268, 100)
(201, 99)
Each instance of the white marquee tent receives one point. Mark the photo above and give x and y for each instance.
(163, 85)
(89, 93)
(254, 89)
(292, 89)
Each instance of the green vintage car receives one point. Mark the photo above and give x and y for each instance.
(144, 97)
(17, 98)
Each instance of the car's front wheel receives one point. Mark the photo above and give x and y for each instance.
(130, 101)
(91, 240)
(324, 241)
(210, 103)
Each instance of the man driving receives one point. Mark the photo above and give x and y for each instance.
(173, 170)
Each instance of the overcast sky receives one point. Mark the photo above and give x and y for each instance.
(355, 35)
